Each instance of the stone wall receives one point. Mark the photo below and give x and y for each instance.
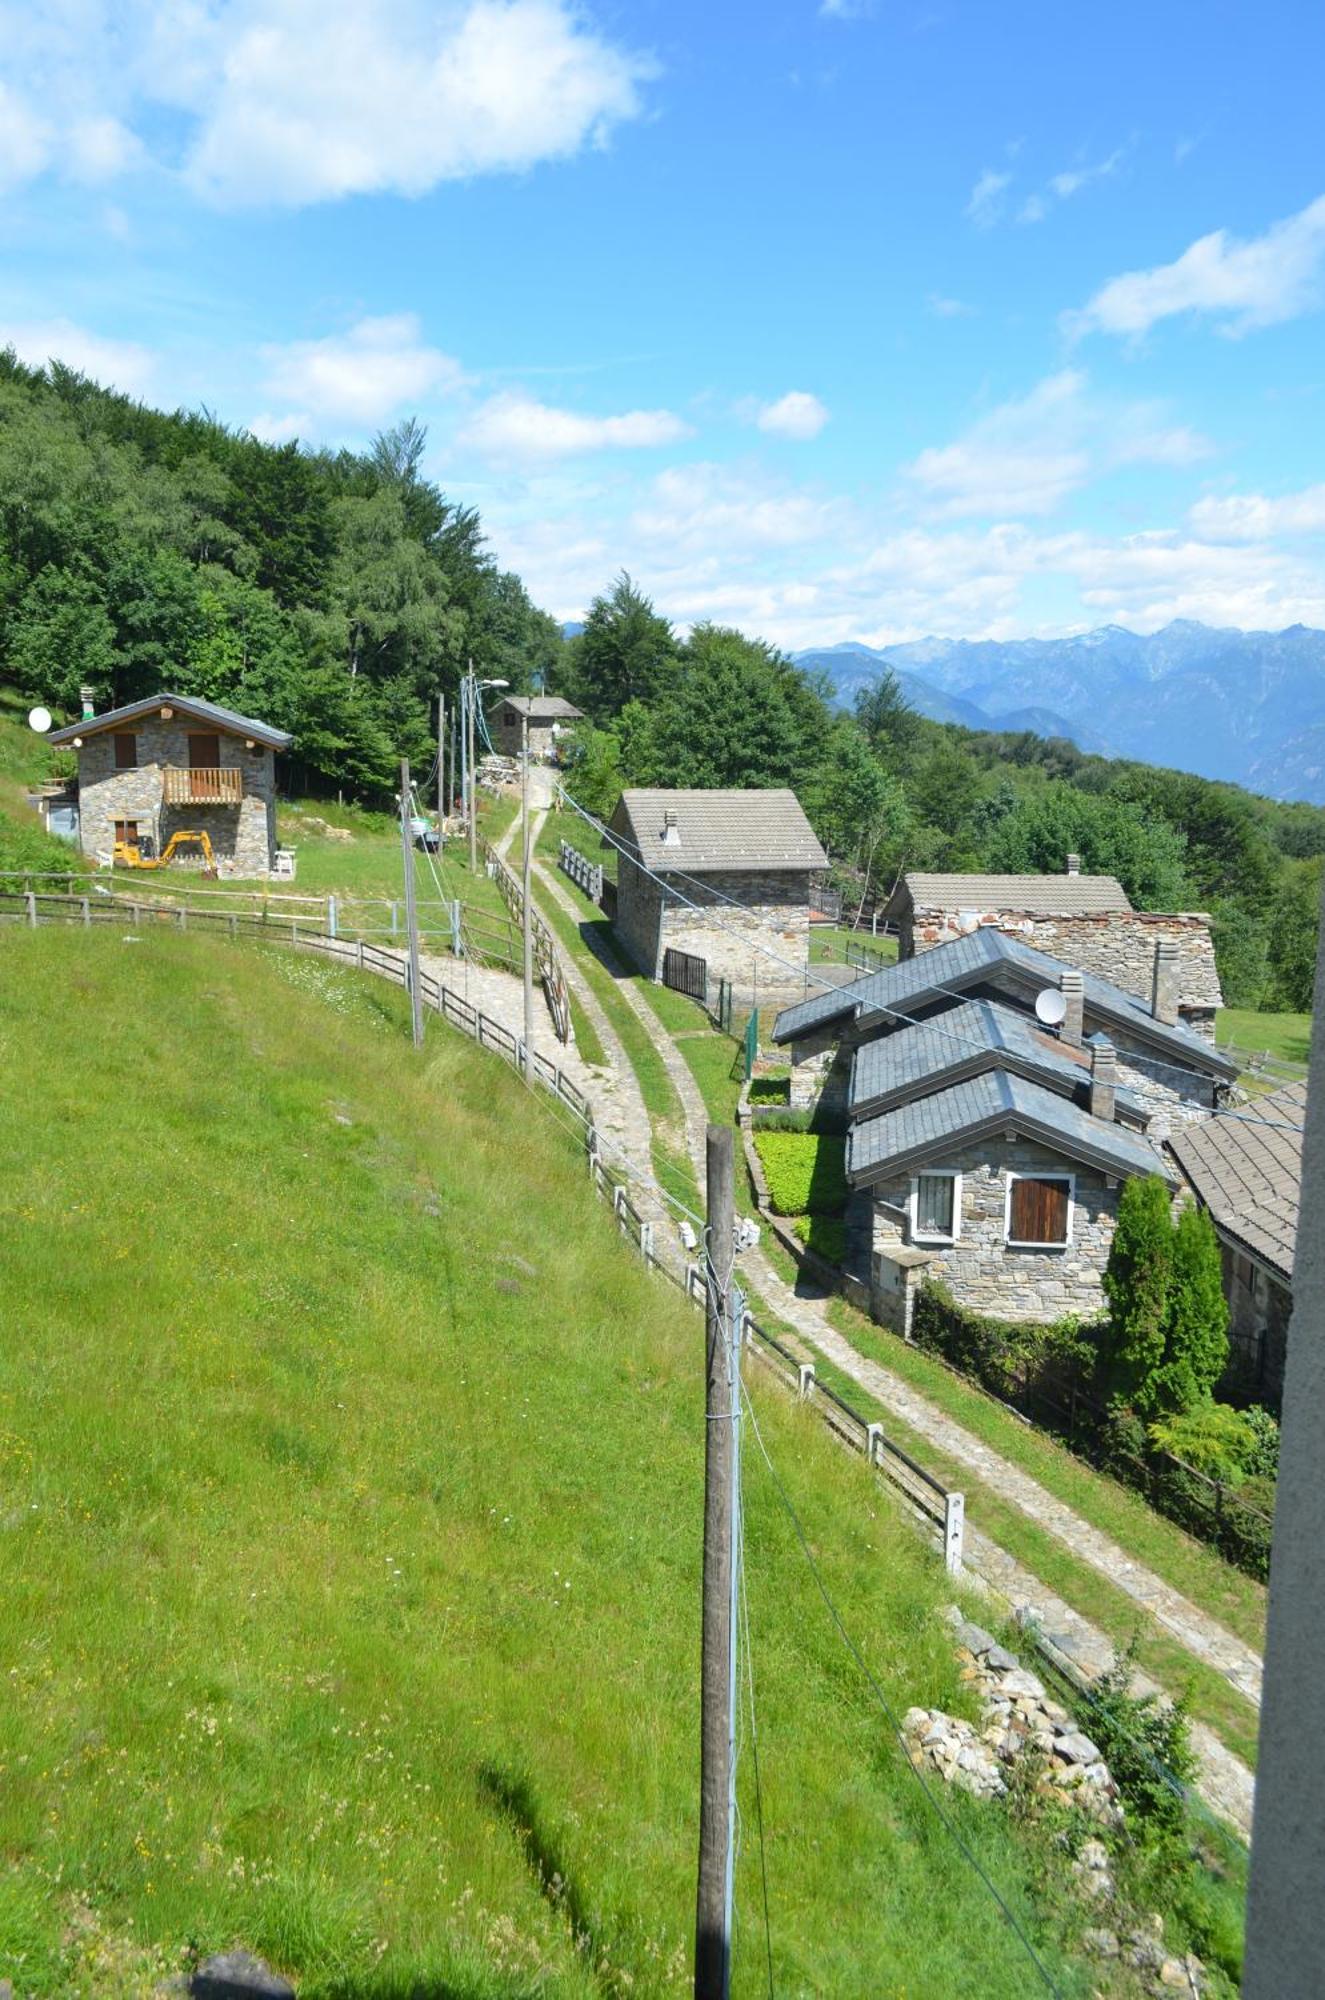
(242, 835)
(981, 1270)
(1118, 945)
(759, 940)
(1259, 1308)
(1171, 1094)
(638, 919)
(508, 737)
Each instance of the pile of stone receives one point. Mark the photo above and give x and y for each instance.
(954, 1750)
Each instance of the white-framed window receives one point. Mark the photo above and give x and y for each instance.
(936, 1207)
(1039, 1211)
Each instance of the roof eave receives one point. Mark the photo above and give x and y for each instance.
(1007, 1120)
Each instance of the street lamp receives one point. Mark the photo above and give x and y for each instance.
(472, 684)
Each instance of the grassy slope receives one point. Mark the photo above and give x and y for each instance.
(352, 1563)
(1285, 1035)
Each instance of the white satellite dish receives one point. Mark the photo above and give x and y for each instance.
(1050, 1007)
(39, 719)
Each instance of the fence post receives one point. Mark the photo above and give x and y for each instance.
(358, 953)
(806, 1384)
(234, 925)
(332, 917)
(32, 910)
(954, 1524)
(87, 910)
(646, 1241)
(183, 916)
(395, 915)
(873, 1442)
(457, 942)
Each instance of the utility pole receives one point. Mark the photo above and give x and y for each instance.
(717, 1742)
(473, 784)
(441, 763)
(527, 910)
(411, 911)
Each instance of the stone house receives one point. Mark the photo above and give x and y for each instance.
(549, 715)
(1086, 920)
(174, 764)
(1245, 1168)
(724, 876)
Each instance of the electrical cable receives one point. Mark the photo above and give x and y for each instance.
(884, 1703)
(754, 1750)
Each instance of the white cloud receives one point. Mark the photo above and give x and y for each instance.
(358, 377)
(288, 101)
(714, 508)
(796, 415)
(1241, 286)
(285, 429)
(986, 200)
(515, 428)
(120, 364)
(845, 10)
(944, 308)
(1033, 209)
(1256, 517)
(1022, 458)
(1067, 184)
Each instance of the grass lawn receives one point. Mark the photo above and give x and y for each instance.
(1287, 1036)
(351, 1475)
(828, 943)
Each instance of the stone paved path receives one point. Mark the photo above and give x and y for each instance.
(1225, 1781)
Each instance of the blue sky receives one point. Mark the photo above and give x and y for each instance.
(839, 320)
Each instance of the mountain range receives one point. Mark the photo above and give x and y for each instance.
(1246, 706)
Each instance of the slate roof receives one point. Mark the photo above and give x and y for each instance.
(985, 1106)
(1042, 895)
(1246, 1168)
(976, 1036)
(542, 707)
(991, 956)
(188, 706)
(720, 831)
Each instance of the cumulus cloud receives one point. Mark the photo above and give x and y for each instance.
(284, 102)
(358, 377)
(120, 364)
(1022, 458)
(1256, 517)
(796, 415)
(1067, 184)
(945, 308)
(1240, 286)
(985, 204)
(514, 427)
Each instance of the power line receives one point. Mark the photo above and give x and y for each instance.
(754, 1749)
(884, 1703)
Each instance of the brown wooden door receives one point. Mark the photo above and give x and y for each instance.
(204, 753)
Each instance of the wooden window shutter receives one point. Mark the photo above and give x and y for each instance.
(126, 750)
(1039, 1211)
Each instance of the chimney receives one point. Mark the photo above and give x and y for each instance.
(1071, 986)
(88, 697)
(671, 829)
(1164, 987)
(1103, 1078)
(1074, 864)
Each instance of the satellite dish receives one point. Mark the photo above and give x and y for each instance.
(1050, 1007)
(39, 719)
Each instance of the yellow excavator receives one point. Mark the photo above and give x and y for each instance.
(128, 854)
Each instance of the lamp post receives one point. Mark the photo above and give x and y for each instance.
(472, 687)
(526, 913)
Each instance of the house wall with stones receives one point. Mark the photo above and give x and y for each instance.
(1259, 1309)
(981, 1269)
(507, 730)
(1172, 1094)
(1118, 945)
(752, 928)
(242, 834)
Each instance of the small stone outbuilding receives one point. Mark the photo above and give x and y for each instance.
(1086, 920)
(174, 764)
(549, 716)
(1245, 1168)
(722, 876)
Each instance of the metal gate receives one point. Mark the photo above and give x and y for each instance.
(686, 974)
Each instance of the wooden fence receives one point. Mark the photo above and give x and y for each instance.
(545, 951)
(586, 875)
(923, 1493)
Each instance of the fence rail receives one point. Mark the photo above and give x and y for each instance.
(925, 1494)
(586, 875)
(545, 950)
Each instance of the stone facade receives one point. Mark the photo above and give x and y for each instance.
(1118, 945)
(759, 939)
(1172, 1095)
(243, 835)
(980, 1268)
(1259, 1308)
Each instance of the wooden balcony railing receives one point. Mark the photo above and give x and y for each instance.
(201, 787)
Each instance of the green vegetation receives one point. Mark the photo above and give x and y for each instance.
(805, 1171)
(306, 1649)
(829, 943)
(1166, 1343)
(1287, 1036)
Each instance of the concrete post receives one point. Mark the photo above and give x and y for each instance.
(805, 1387)
(32, 910)
(954, 1524)
(332, 917)
(873, 1442)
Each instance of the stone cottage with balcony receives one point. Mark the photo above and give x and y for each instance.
(174, 764)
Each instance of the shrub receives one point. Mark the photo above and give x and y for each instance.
(1263, 1461)
(826, 1235)
(1212, 1437)
(1136, 1284)
(1146, 1744)
(1196, 1326)
(770, 1089)
(805, 1172)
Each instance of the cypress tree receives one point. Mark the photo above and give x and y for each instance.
(1196, 1336)
(1137, 1282)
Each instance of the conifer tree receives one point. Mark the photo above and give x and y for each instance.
(1196, 1336)
(1137, 1283)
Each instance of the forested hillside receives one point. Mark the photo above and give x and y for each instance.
(335, 593)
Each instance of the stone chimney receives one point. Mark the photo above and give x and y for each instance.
(1164, 985)
(1103, 1078)
(1071, 985)
(88, 697)
(671, 833)
(1074, 864)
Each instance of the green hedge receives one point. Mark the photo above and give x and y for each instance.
(805, 1171)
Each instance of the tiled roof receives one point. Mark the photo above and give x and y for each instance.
(188, 705)
(719, 830)
(1246, 1168)
(969, 1038)
(1043, 895)
(990, 1104)
(542, 707)
(989, 956)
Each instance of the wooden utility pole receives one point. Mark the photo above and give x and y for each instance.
(713, 1903)
(527, 910)
(473, 777)
(411, 911)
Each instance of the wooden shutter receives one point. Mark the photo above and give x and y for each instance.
(1039, 1211)
(204, 753)
(126, 750)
